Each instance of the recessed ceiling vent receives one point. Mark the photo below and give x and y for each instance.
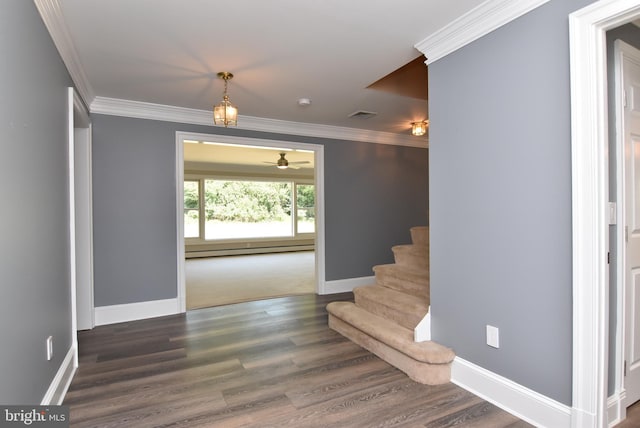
(361, 114)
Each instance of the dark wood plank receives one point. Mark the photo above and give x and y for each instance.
(271, 363)
(633, 417)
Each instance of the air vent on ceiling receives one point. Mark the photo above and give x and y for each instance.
(361, 114)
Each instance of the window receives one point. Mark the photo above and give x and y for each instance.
(306, 208)
(243, 209)
(191, 209)
(247, 209)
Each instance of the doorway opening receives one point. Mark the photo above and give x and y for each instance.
(591, 212)
(247, 230)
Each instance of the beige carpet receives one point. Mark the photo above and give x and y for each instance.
(217, 281)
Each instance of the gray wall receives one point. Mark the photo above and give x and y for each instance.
(500, 200)
(34, 247)
(373, 194)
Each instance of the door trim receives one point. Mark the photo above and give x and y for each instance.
(318, 150)
(589, 153)
(82, 124)
(71, 97)
(617, 403)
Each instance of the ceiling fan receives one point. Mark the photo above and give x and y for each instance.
(283, 163)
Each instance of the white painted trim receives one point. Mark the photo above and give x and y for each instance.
(318, 171)
(135, 311)
(142, 110)
(181, 279)
(422, 332)
(346, 285)
(248, 251)
(516, 399)
(616, 411)
(71, 97)
(81, 120)
(616, 405)
(51, 14)
(474, 24)
(590, 204)
(61, 381)
(320, 217)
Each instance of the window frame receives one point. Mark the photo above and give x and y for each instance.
(295, 181)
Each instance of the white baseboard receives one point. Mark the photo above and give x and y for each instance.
(135, 311)
(60, 384)
(345, 285)
(522, 402)
(616, 410)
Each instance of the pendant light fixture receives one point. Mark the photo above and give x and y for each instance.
(225, 113)
(419, 128)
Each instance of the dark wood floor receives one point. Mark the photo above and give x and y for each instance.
(633, 417)
(272, 363)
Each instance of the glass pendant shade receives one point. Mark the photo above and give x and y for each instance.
(225, 113)
(419, 128)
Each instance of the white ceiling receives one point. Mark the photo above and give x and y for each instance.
(233, 157)
(169, 51)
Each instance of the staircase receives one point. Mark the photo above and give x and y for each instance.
(384, 315)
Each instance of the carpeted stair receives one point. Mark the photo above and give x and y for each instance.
(384, 314)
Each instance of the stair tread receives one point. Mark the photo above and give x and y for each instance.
(411, 248)
(391, 334)
(394, 299)
(411, 255)
(413, 272)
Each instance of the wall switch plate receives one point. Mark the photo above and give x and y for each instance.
(49, 348)
(493, 336)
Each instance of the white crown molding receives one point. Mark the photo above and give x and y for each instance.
(51, 14)
(143, 110)
(476, 23)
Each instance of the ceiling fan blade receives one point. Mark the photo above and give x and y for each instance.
(299, 162)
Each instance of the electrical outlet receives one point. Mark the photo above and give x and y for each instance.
(49, 348)
(493, 336)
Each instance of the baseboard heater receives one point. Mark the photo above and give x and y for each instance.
(248, 251)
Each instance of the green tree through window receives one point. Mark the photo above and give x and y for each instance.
(237, 209)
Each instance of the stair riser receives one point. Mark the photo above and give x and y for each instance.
(418, 260)
(414, 287)
(406, 319)
(425, 373)
(420, 236)
(410, 281)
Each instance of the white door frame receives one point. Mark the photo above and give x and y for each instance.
(77, 116)
(71, 96)
(85, 314)
(619, 400)
(590, 208)
(318, 150)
